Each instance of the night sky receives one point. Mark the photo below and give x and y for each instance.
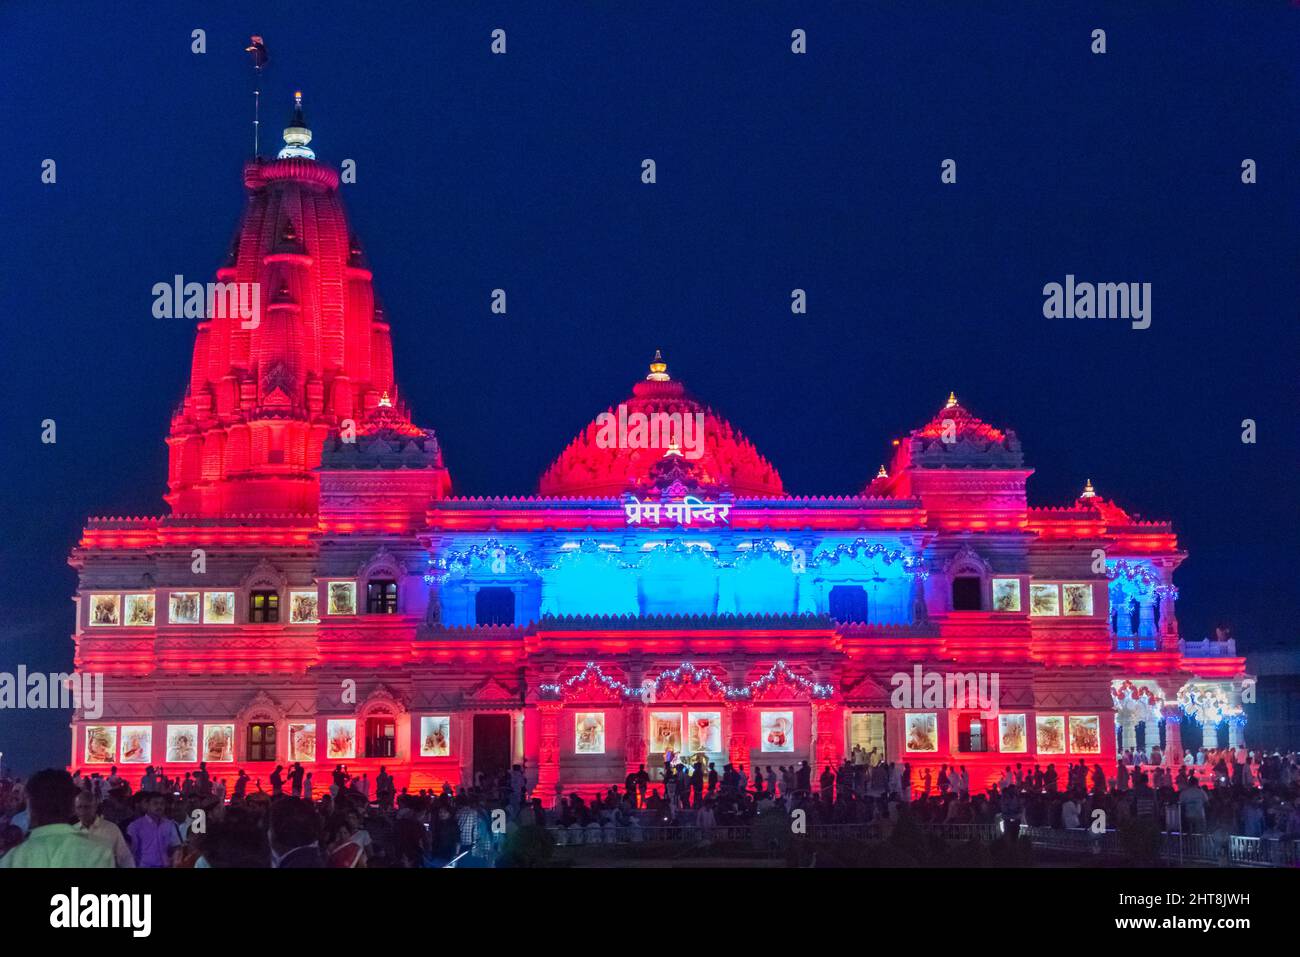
(775, 172)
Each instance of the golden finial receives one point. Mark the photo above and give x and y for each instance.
(384, 401)
(952, 400)
(658, 369)
(1088, 490)
(882, 473)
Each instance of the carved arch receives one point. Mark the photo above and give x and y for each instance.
(264, 575)
(383, 563)
(261, 706)
(382, 700)
(967, 561)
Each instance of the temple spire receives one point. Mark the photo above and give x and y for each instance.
(658, 369)
(296, 134)
(952, 400)
(1088, 490)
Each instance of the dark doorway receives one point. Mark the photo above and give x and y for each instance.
(966, 593)
(494, 606)
(491, 745)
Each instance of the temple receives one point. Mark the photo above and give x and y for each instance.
(317, 593)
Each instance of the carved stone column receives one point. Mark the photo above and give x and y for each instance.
(634, 751)
(920, 611)
(806, 595)
(1124, 616)
(826, 715)
(1209, 736)
(1173, 716)
(738, 738)
(1127, 732)
(1147, 616)
(548, 750)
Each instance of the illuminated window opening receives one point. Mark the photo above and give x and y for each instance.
(261, 741)
(972, 735)
(381, 737)
(263, 607)
(381, 597)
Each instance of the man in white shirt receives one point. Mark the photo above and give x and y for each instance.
(1070, 813)
(1193, 799)
(90, 822)
(52, 842)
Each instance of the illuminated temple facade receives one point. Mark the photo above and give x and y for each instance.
(317, 593)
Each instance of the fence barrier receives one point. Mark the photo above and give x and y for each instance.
(1174, 847)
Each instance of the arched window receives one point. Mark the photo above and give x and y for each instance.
(261, 741)
(263, 606)
(381, 736)
(848, 603)
(381, 596)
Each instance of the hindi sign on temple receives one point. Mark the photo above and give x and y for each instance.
(686, 512)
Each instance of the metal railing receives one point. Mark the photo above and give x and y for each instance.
(1174, 847)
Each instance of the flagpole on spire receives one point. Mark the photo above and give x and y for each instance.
(258, 50)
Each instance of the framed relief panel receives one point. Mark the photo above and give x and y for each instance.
(1044, 600)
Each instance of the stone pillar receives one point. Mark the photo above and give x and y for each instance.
(1124, 617)
(547, 606)
(1235, 737)
(826, 714)
(806, 597)
(548, 750)
(920, 612)
(634, 751)
(1147, 616)
(1127, 732)
(1173, 716)
(1168, 624)
(726, 603)
(1209, 736)
(738, 738)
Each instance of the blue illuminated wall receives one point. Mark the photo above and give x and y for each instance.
(662, 574)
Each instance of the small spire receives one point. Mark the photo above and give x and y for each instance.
(384, 401)
(952, 400)
(673, 449)
(296, 134)
(882, 473)
(1088, 490)
(658, 369)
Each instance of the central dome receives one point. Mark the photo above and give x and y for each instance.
(651, 445)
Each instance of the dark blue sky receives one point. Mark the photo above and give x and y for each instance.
(775, 171)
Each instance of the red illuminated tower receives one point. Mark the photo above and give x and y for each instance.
(265, 392)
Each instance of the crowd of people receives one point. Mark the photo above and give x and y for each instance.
(59, 819)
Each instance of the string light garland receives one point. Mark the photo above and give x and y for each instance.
(859, 546)
(1209, 706)
(1128, 694)
(679, 675)
(460, 560)
(1143, 575)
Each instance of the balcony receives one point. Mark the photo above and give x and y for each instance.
(1209, 648)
